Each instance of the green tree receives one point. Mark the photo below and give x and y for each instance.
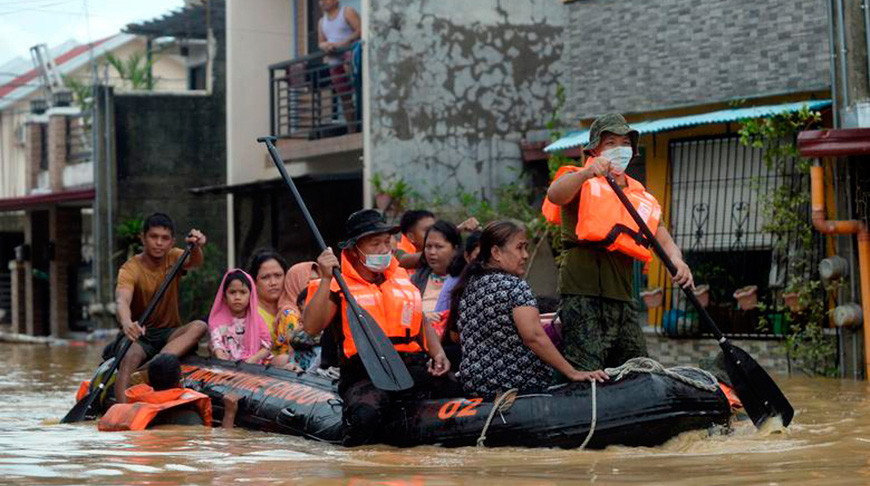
(786, 217)
(134, 70)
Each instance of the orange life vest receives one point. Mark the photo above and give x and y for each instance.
(144, 404)
(395, 304)
(732, 397)
(408, 247)
(603, 219)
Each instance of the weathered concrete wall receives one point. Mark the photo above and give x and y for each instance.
(455, 84)
(631, 56)
(165, 145)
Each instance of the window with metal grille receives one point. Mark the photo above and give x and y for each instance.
(717, 218)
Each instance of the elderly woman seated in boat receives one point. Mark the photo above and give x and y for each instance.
(504, 345)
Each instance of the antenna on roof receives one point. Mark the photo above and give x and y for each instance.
(56, 92)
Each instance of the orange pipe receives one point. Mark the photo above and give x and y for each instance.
(817, 185)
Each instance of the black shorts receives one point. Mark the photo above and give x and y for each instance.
(154, 340)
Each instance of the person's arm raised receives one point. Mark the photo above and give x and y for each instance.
(528, 322)
(564, 189)
(196, 257)
(321, 309)
(409, 260)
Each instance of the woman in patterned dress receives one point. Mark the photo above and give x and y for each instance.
(504, 345)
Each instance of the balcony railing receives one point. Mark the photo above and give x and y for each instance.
(316, 96)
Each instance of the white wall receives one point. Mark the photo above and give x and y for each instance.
(12, 168)
(259, 33)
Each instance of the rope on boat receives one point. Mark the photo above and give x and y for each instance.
(707, 382)
(594, 417)
(502, 403)
(649, 365)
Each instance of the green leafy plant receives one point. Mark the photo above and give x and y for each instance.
(401, 194)
(199, 286)
(83, 94)
(135, 70)
(785, 217)
(128, 235)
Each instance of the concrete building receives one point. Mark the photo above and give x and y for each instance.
(443, 92)
(686, 74)
(70, 175)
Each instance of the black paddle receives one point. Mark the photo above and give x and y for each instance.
(760, 395)
(381, 361)
(82, 409)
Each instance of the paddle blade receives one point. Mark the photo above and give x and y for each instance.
(383, 364)
(80, 411)
(760, 395)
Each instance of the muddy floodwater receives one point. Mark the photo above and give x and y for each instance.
(828, 444)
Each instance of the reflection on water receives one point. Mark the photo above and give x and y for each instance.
(828, 442)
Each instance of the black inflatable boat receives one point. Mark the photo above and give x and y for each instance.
(641, 409)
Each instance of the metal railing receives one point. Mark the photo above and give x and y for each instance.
(78, 140)
(316, 96)
(717, 218)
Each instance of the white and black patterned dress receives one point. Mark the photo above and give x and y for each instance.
(494, 357)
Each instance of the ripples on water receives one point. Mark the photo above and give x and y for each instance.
(828, 443)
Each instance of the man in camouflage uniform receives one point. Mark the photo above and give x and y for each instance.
(601, 327)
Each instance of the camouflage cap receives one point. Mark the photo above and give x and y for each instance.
(613, 123)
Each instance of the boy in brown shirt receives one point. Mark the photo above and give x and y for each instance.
(138, 281)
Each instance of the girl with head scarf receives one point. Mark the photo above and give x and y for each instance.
(237, 331)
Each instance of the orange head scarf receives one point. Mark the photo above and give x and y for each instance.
(295, 281)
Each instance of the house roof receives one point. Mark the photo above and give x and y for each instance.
(68, 61)
(581, 137)
(834, 143)
(190, 22)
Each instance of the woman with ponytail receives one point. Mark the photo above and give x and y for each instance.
(504, 345)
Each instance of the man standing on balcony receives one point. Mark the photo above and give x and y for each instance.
(338, 28)
(601, 328)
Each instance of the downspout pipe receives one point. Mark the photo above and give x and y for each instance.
(832, 39)
(844, 61)
(866, 7)
(817, 184)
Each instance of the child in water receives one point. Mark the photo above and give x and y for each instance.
(238, 333)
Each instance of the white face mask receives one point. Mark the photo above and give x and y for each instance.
(619, 158)
(378, 262)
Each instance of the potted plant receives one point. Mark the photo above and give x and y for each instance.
(792, 301)
(653, 297)
(747, 297)
(702, 292)
(382, 196)
(391, 194)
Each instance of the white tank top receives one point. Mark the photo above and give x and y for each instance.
(337, 29)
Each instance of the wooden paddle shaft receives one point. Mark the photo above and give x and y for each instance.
(657, 247)
(276, 158)
(382, 351)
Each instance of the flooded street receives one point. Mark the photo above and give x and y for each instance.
(828, 443)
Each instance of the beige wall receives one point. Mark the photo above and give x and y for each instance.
(11, 154)
(259, 33)
(170, 69)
